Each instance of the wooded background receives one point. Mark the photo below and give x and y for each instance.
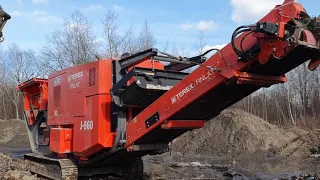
(296, 102)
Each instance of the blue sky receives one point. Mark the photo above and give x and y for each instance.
(178, 21)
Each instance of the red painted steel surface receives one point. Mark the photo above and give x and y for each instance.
(183, 124)
(249, 78)
(79, 98)
(147, 63)
(61, 140)
(35, 93)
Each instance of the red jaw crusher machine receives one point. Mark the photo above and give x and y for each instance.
(101, 117)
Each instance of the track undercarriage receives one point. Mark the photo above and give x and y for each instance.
(58, 169)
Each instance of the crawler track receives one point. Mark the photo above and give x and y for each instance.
(66, 169)
(57, 169)
(136, 169)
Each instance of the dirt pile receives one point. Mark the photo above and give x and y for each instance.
(13, 132)
(13, 169)
(235, 132)
(314, 26)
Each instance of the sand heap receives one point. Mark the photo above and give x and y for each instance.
(13, 132)
(235, 132)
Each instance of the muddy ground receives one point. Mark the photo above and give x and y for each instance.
(234, 145)
(198, 167)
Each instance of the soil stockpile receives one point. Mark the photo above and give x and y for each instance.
(314, 26)
(235, 132)
(13, 169)
(13, 132)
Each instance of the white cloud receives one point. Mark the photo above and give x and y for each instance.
(39, 13)
(208, 47)
(251, 10)
(19, 2)
(94, 7)
(117, 8)
(40, 1)
(206, 25)
(99, 40)
(39, 16)
(16, 13)
(45, 19)
(186, 26)
(72, 27)
(201, 25)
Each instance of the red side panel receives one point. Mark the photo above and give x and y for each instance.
(61, 140)
(80, 99)
(91, 131)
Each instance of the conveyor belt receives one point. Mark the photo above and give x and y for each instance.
(207, 105)
(225, 95)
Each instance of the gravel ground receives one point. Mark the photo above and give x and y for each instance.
(198, 167)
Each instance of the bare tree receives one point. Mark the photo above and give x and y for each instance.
(117, 44)
(183, 51)
(315, 95)
(23, 64)
(166, 46)
(146, 38)
(201, 42)
(72, 44)
(19, 66)
(2, 94)
(175, 49)
(294, 103)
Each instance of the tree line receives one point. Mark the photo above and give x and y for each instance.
(72, 44)
(293, 103)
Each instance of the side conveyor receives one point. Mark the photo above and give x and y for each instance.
(224, 79)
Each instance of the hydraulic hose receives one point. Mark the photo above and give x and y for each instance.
(235, 34)
(213, 49)
(242, 29)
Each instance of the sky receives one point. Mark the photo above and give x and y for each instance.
(175, 21)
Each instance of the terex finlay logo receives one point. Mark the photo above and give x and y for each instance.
(75, 76)
(182, 93)
(57, 81)
(192, 86)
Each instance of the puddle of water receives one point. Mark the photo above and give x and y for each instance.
(15, 151)
(19, 154)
